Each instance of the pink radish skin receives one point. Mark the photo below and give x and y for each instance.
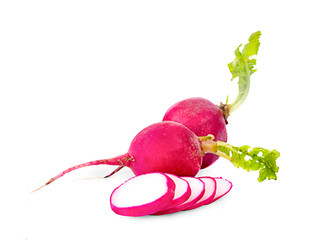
(210, 191)
(143, 195)
(182, 190)
(167, 147)
(202, 117)
(197, 191)
(223, 187)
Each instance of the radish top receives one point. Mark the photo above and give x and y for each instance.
(243, 67)
(245, 157)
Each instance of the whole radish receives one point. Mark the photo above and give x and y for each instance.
(167, 147)
(202, 116)
(170, 147)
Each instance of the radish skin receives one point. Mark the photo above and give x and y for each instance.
(210, 191)
(143, 195)
(166, 147)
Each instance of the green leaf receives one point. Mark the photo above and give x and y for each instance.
(244, 148)
(251, 64)
(251, 48)
(238, 66)
(252, 159)
(243, 67)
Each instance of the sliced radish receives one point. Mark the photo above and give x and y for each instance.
(182, 193)
(223, 187)
(210, 191)
(182, 190)
(143, 195)
(197, 191)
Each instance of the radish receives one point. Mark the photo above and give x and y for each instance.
(210, 191)
(159, 194)
(202, 116)
(223, 187)
(197, 191)
(166, 147)
(215, 188)
(182, 190)
(170, 147)
(143, 195)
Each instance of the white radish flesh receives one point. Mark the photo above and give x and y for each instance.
(210, 191)
(143, 195)
(197, 191)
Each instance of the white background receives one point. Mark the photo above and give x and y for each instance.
(79, 79)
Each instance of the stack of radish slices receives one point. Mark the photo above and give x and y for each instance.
(160, 193)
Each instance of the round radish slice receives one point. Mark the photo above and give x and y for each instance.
(181, 194)
(210, 191)
(182, 190)
(223, 187)
(143, 195)
(197, 191)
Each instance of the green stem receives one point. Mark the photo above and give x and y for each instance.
(243, 90)
(245, 157)
(242, 67)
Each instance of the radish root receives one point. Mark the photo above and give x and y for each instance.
(121, 160)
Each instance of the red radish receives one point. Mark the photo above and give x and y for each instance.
(182, 190)
(197, 191)
(166, 147)
(143, 195)
(210, 191)
(223, 187)
(170, 147)
(202, 116)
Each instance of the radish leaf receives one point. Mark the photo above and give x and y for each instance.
(242, 67)
(255, 159)
(251, 48)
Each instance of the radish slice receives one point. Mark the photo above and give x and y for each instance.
(182, 193)
(182, 190)
(197, 191)
(223, 187)
(143, 195)
(210, 191)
